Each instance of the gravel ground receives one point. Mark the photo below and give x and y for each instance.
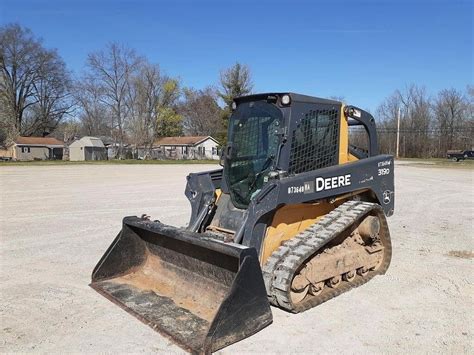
(57, 221)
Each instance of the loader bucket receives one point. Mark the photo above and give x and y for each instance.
(202, 293)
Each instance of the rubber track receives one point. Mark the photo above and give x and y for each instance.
(282, 265)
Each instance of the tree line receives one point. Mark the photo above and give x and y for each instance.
(120, 94)
(123, 95)
(429, 125)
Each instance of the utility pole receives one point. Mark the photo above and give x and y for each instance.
(398, 133)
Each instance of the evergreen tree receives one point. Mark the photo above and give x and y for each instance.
(234, 82)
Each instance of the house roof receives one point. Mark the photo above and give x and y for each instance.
(187, 140)
(88, 142)
(38, 141)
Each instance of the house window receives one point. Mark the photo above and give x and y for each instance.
(25, 150)
(214, 150)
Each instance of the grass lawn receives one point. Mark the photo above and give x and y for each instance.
(439, 163)
(125, 161)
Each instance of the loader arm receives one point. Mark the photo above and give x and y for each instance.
(201, 193)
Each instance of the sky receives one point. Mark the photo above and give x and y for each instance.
(360, 50)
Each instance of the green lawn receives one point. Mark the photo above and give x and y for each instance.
(439, 163)
(125, 161)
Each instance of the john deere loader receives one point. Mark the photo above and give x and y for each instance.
(295, 217)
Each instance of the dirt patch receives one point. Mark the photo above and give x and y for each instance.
(463, 254)
(57, 221)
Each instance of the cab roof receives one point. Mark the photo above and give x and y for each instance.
(294, 98)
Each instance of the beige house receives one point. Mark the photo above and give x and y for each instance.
(87, 148)
(33, 148)
(189, 147)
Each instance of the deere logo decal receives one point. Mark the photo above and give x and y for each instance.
(332, 182)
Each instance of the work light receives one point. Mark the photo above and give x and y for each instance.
(285, 99)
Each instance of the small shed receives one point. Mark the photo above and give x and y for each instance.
(87, 148)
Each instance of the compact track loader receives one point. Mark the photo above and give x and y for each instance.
(295, 217)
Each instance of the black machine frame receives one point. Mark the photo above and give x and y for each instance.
(372, 173)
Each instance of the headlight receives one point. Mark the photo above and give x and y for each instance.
(353, 112)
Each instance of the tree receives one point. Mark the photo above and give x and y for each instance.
(428, 127)
(386, 114)
(154, 103)
(146, 89)
(34, 83)
(114, 68)
(416, 106)
(169, 121)
(234, 82)
(415, 123)
(451, 111)
(202, 115)
(52, 93)
(67, 131)
(7, 127)
(92, 112)
(137, 100)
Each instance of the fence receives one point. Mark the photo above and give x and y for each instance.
(165, 153)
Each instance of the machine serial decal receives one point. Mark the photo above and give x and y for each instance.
(296, 189)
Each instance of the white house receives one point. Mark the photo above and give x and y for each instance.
(189, 147)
